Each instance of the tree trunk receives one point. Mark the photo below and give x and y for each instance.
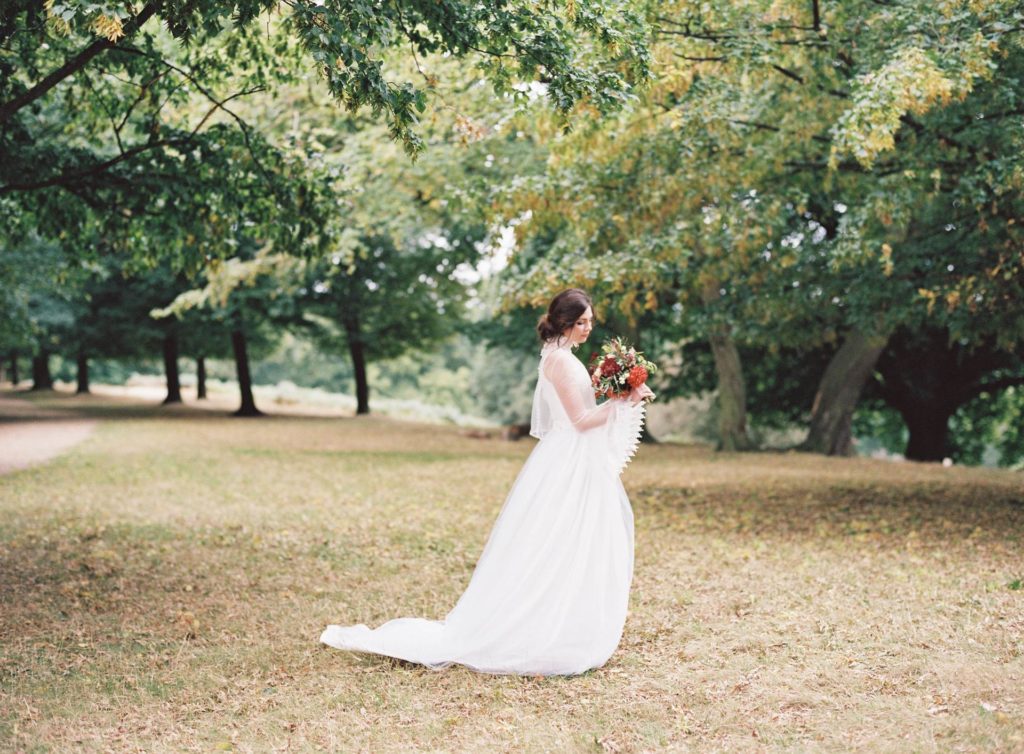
(357, 352)
(831, 430)
(238, 345)
(171, 369)
(732, 393)
(201, 378)
(927, 376)
(929, 432)
(41, 379)
(15, 377)
(83, 373)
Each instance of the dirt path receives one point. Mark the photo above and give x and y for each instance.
(30, 435)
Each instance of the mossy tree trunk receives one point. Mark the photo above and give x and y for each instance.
(732, 393)
(831, 430)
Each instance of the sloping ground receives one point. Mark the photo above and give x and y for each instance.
(163, 585)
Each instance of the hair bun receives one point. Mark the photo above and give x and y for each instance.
(563, 311)
(544, 328)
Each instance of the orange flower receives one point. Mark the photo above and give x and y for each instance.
(637, 376)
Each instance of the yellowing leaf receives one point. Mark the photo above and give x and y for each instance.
(108, 26)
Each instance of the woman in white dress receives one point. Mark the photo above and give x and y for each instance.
(549, 593)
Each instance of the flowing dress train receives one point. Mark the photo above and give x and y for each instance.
(550, 590)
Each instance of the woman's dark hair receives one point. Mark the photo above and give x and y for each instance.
(563, 311)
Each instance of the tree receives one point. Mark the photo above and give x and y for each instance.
(516, 41)
(389, 295)
(158, 112)
(35, 303)
(204, 335)
(247, 297)
(145, 152)
(927, 377)
(17, 277)
(803, 165)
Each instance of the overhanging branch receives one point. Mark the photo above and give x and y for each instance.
(75, 177)
(79, 61)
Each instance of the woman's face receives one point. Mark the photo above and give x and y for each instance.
(581, 328)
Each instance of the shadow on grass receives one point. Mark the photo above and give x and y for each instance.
(51, 405)
(884, 512)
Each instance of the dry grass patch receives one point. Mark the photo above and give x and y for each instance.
(163, 587)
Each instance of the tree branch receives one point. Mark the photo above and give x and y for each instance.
(217, 104)
(802, 42)
(716, 58)
(143, 91)
(995, 116)
(788, 73)
(69, 179)
(769, 127)
(685, 31)
(847, 165)
(110, 113)
(76, 177)
(996, 385)
(801, 80)
(71, 66)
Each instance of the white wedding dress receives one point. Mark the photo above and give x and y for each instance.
(550, 591)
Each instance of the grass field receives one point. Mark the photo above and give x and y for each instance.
(163, 586)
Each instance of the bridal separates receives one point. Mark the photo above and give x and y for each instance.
(549, 593)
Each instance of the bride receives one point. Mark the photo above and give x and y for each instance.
(549, 593)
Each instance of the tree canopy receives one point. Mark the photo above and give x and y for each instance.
(755, 189)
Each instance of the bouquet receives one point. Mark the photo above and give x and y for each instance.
(618, 368)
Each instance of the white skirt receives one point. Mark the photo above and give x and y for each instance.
(550, 591)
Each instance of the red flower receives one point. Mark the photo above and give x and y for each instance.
(610, 367)
(637, 376)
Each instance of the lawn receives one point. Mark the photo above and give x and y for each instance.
(163, 586)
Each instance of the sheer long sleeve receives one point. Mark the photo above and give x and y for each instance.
(558, 368)
(620, 422)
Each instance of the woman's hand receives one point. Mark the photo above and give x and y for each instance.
(638, 394)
